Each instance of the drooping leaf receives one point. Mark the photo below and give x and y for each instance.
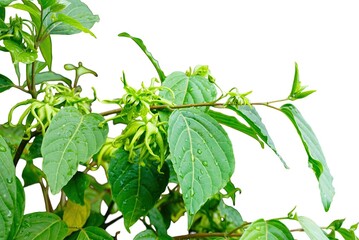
(75, 188)
(147, 234)
(71, 138)
(267, 230)
(93, 233)
(7, 190)
(75, 215)
(41, 225)
(135, 188)
(316, 157)
(231, 191)
(313, 231)
(18, 53)
(46, 51)
(74, 23)
(202, 156)
(49, 77)
(188, 90)
(233, 122)
(5, 83)
(157, 221)
(76, 10)
(19, 209)
(251, 116)
(4, 3)
(31, 174)
(143, 47)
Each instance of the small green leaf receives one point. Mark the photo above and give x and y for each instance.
(77, 14)
(297, 88)
(157, 221)
(5, 83)
(18, 53)
(347, 234)
(271, 230)
(135, 188)
(316, 157)
(46, 51)
(27, 8)
(75, 188)
(231, 191)
(230, 217)
(41, 225)
(19, 209)
(71, 138)
(147, 234)
(31, 174)
(46, 3)
(4, 3)
(233, 122)
(313, 231)
(8, 191)
(251, 116)
(188, 90)
(93, 233)
(143, 47)
(202, 156)
(50, 76)
(336, 224)
(74, 23)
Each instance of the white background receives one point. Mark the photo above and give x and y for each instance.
(252, 45)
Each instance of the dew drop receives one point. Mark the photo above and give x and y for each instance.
(9, 180)
(201, 171)
(210, 135)
(199, 151)
(205, 163)
(2, 148)
(258, 228)
(192, 193)
(186, 196)
(216, 163)
(9, 214)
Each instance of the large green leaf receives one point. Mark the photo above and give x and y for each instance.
(71, 138)
(267, 230)
(93, 233)
(316, 157)
(251, 116)
(188, 90)
(7, 190)
(313, 231)
(233, 122)
(4, 3)
(46, 51)
(5, 83)
(143, 47)
(202, 156)
(18, 53)
(19, 209)
(76, 10)
(42, 225)
(135, 188)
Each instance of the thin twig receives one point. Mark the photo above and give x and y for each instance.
(45, 193)
(106, 225)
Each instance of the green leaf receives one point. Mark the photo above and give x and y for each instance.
(147, 234)
(5, 83)
(202, 156)
(313, 231)
(2, 13)
(31, 174)
(50, 76)
(74, 23)
(41, 225)
(268, 230)
(71, 138)
(188, 90)
(46, 3)
(233, 122)
(3, 26)
(251, 116)
(336, 224)
(135, 188)
(34, 12)
(75, 188)
(77, 11)
(297, 91)
(19, 210)
(12, 135)
(347, 234)
(316, 157)
(7, 190)
(94, 233)
(231, 191)
(157, 221)
(75, 215)
(143, 47)
(46, 51)
(4, 3)
(18, 53)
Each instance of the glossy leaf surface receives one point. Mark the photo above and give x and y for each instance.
(19, 209)
(315, 155)
(202, 156)
(313, 231)
(135, 188)
(93, 233)
(18, 53)
(5, 83)
(267, 230)
(75, 188)
(71, 138)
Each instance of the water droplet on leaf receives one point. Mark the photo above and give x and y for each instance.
(2, 148)
(9, 180)
(205, 163)
(199, 151)
(9, 214)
